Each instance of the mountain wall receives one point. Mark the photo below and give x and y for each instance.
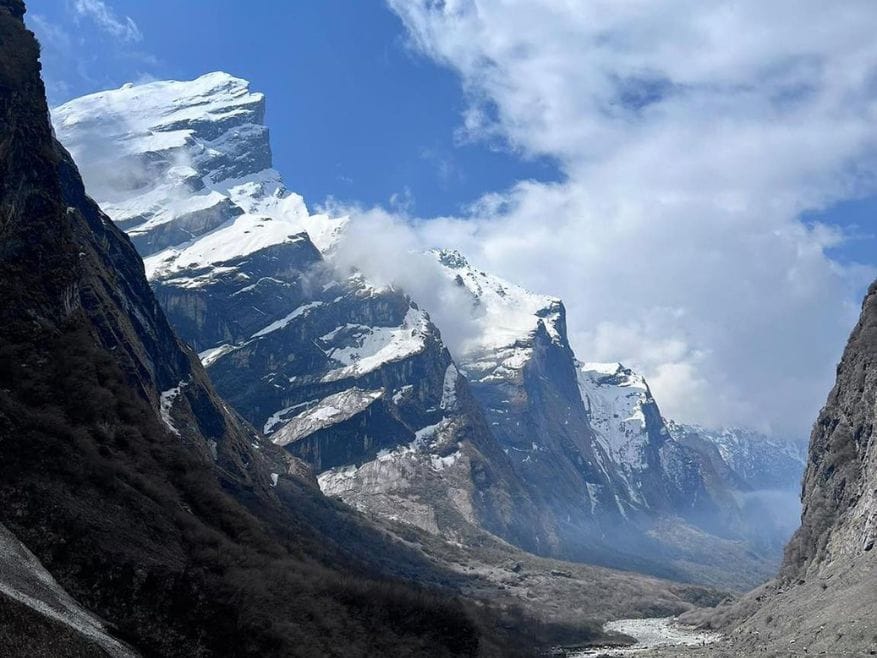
(512, 435)
(824, 600)
(161, 517)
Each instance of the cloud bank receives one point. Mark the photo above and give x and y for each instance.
(692, 136)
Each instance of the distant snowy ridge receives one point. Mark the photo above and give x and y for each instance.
(761, 461)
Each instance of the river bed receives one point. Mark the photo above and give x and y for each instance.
(650, 634)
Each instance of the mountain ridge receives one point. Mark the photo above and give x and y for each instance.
(287, 335)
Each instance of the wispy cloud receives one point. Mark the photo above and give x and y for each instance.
(103, 16)
(87, 45)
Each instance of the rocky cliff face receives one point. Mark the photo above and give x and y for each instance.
(129, 480)
(590, 438)
(664, 476)
(839, 521)
(824, 599)
(522, 372)
(353, 379)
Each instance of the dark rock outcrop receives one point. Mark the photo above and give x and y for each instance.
(839, 520)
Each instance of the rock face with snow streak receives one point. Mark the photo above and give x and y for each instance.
(357, 382)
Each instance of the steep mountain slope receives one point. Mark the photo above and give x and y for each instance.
(593, 434)
(824, 600)
(37, 615)
(522, 371)
(129, 480)
(353, 379)
(839, 521)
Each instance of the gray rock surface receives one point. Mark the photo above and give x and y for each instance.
(824, 600)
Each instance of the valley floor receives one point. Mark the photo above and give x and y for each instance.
(572, 599)
(658, 632)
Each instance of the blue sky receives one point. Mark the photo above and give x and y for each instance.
(354, 113)
(697, 181)
(858, 218)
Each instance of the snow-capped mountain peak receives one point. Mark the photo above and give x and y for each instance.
(508, 318)
(195, 124)
(614, 373)
(617, 400)
(189, 175)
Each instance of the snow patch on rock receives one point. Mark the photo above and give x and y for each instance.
(166, 403)
(282, 322)
(325, 413)
(369, 348)
(507, 313)
(614, 397)
(211, 355)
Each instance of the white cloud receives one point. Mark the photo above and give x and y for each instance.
(390, 251)
(123, 28)
(691, 135)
